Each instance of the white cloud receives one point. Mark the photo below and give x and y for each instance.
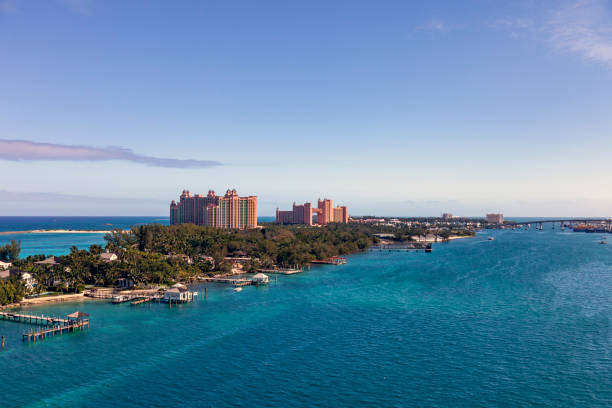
(579, 27)
(583, 28)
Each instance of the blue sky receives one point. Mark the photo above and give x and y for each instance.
(392, 108)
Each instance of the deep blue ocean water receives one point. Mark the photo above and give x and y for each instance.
(524, 320)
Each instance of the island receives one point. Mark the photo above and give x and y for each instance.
(153, 256)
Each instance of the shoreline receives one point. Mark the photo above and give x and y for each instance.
(57, 231)
(72, 297)
(76, 297)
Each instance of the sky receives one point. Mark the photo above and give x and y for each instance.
(389, 107)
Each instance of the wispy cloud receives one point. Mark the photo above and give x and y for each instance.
(583, 28)
(436, 26)
(514, 25)
(579, 27)
(19, 150)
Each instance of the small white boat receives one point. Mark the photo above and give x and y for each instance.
(603, 242)
(238, 289)
(491, 238)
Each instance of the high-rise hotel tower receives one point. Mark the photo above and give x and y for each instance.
(303, 214)
(229, 211)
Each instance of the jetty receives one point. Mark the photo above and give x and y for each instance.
(52, 325)
(334, 260)
(146, 299)
(412, 246)
(32, 319)
(282, 271)
(233, 281)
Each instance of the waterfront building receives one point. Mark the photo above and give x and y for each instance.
(261, 279)
(178, 293)
(229, 211)
(495, 218)
(27, 279)
(303, 214)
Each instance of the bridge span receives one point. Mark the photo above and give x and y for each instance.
(560, 221)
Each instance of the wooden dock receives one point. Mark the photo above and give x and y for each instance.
(413, 246)
(145, 299)
(233, 281)
(334, 260)
(32, 319)
(53, 325)
(71, 326)
(282, 271)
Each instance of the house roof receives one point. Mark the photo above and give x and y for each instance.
(49, 261)
(5, 274)
(177, 290)
(108, 255)
(77, 315)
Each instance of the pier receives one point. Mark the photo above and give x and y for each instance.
(412, 246)
(233, 281)
(76, 321)
(32, 319)
(70, 327)
(282, 271)
(334, 260)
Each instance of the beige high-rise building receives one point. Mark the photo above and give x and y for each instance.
(230, 211)
(495, 218)
(303, 214)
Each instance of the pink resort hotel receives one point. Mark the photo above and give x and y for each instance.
(302, 214)
(229, 211)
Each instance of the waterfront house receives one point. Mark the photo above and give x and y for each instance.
(28, 280)
(178, 294)
(4, 265)
(108, 257)
(261, 279)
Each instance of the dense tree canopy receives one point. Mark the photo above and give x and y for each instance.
(10, 252)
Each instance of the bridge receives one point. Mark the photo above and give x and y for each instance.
(559, 221)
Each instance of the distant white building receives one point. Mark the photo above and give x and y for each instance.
(4, 265)
(495, 218)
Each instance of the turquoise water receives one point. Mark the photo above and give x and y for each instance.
(524, 320)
